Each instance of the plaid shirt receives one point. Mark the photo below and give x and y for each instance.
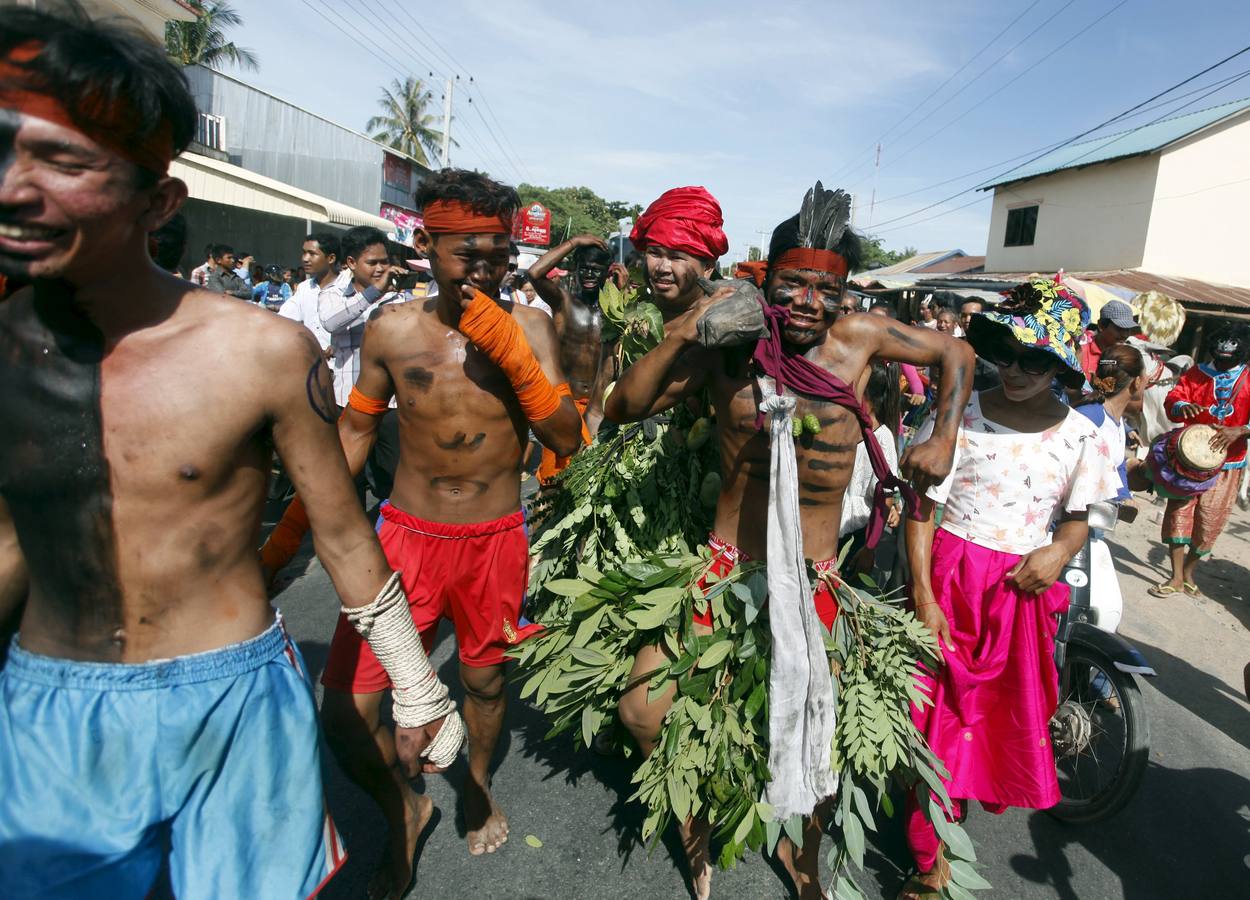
(199, 275)
(344, 312)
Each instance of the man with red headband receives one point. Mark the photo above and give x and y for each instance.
(784, 510)
(472, 375)
(154, 715)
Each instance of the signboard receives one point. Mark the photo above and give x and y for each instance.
(396, 172)
(405, 220)
(533, 225)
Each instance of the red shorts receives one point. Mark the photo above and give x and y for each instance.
(725, 558)
(474, 574)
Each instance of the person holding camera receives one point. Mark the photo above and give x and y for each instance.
(368, 280)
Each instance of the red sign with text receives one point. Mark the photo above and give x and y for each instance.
(533, 225)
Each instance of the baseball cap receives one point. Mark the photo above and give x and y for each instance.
(1118, 313)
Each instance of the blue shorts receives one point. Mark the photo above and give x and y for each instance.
(209, 763)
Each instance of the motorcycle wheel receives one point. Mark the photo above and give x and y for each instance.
(1100, 736)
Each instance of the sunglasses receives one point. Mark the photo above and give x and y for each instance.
(1030, 361)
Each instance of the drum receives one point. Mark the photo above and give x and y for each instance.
(1183, 464)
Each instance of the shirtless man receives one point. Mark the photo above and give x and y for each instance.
(472, 375)
(153, 713)
(578, 320)
(809, 283)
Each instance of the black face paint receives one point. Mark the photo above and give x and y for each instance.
(53, 471)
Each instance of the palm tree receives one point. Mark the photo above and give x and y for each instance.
(405, 124)
(204, 41)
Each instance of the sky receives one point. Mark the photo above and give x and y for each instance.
(757, 101)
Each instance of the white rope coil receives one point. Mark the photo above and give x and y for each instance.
(419, 697)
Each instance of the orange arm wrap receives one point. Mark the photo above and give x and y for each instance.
(365, 404)
(499, 336)
(285, 538)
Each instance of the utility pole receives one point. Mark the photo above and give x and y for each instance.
(444, 157)
(875, 173)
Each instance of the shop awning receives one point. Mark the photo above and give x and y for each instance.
(220, 182)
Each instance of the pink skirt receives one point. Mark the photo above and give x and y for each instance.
(996, 691)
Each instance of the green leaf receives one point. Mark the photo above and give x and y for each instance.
(853, 831)
(715, 654)
(589, 657)
(968, 877)
(533, 841)
(862, 807)
(793, 828)
(567, 587)
(955, 892)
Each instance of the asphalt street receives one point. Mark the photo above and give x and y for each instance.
(1186, 834)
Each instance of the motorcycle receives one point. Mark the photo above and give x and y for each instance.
(1100, 732)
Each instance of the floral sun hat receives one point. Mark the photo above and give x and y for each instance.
(1038, 313)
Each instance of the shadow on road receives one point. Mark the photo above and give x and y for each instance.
(1201, 693)
(1185, 834)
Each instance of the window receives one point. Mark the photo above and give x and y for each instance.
(1021, 227)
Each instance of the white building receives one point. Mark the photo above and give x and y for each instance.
(1168, 198)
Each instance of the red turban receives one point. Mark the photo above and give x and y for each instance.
(686, 219)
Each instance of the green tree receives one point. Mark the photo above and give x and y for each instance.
(203, 41)
(578, 210)
(754, 254)
(876, 256)
(405, 124)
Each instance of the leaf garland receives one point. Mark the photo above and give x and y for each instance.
(712, 756)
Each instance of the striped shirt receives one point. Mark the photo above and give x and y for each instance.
(344, 311)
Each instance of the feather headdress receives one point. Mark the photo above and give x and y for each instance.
(823, 217)
(823, 220)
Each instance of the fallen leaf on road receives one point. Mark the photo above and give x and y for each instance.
(533, 841)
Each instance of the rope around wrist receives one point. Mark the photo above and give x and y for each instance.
(417, 694)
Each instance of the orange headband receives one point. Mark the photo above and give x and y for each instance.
(807, 258)
(456, 217)
(110, 125)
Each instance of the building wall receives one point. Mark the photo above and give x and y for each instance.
(272, 239)
(1092, 218)
(1198, 222)
(274, 138)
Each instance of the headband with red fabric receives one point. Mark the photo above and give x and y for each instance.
(687, 219)
(111, 124)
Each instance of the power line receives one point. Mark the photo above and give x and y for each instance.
(1056, 49)
(936, 90)
(350, 31)
(1170, 114)
(1218, 85)
(473, 85)
(1069, 141)
(932, 112)
(879, 231)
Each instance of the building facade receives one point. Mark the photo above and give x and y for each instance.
(1167, 198)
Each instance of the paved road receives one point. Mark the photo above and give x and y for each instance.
(1186, 834)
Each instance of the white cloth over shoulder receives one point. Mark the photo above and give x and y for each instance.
(801, 710)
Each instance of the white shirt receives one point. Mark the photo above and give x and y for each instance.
(344, 311)
(1007, 487)
(857, 501)
(302, 307)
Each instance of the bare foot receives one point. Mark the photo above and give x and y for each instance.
(396, 872)
(487, 826)
(929, 884)
(695, 841)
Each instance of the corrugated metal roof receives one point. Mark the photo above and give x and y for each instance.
(1191, 292)
(914, 263)
(1134, 142)
(954, 264)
